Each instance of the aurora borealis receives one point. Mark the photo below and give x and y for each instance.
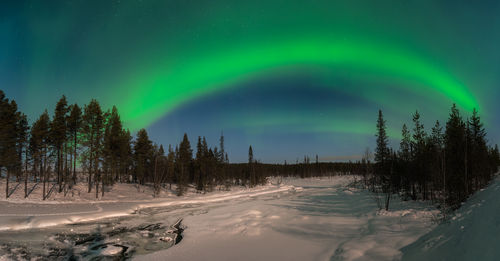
(292, 78)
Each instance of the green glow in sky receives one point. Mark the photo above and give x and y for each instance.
(155, 93)
(158, 59)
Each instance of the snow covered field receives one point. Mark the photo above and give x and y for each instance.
(325, 220)
(123, 199)
(301, 219)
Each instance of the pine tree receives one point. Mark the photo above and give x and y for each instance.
(143, 149)
(382, 150)
(251, 167)
(58, 136)
(250, 155)
(405, 144)
(170, 166)
(22, 145)
(93, 124)
(211, 159)
(8, 138)
(185, 157)
(437, 156)
(126, 155)
(494, 159)
(206, 163)
(383, 159)
(200, 165)
(221, 151)
(437, 135)
(222, 175)
(405, 157)
(419, 153)
(112, 144)
(455, 157)
(74, 127)
(39, 140)
(478, 152)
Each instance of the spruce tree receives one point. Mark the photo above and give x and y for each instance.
(383, 168)
(185, 157)
(437, 156)
(405, 144)
(170, 166)
(142, 151)
(251, 167)
(382, 149)
(478, 151)
(112, 144)
(200, 165)
(405, 157)
(420, 172)
(126, 155)
(455, 157)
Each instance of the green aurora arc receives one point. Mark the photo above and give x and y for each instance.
(160, 91)
(295, 76)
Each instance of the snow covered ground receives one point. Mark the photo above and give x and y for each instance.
(472, 233)
(325, 220)
(301, 219)
(123, 199)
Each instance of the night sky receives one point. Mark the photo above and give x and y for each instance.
(291, 78)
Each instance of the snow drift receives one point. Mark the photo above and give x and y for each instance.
(471, 234)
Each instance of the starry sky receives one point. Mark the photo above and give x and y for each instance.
(291, 78)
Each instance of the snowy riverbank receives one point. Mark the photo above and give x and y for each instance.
(122, 199)
(471, 233)
(325, 221)
(300, 219)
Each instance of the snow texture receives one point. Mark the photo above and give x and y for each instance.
(472, 233)
(322, 219)
(123, 199)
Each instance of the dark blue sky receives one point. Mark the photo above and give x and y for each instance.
(290, 78)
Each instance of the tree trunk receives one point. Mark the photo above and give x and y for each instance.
(96, 180)
(91, 159)
(42, 174)
(74, 160)
(58, 167)
(26, 174)
(7, 185)
(102, 187)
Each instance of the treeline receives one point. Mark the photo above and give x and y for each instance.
(446, 165)
(308, 168)
(91, 145)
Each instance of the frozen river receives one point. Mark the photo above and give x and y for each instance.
(316, 220)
